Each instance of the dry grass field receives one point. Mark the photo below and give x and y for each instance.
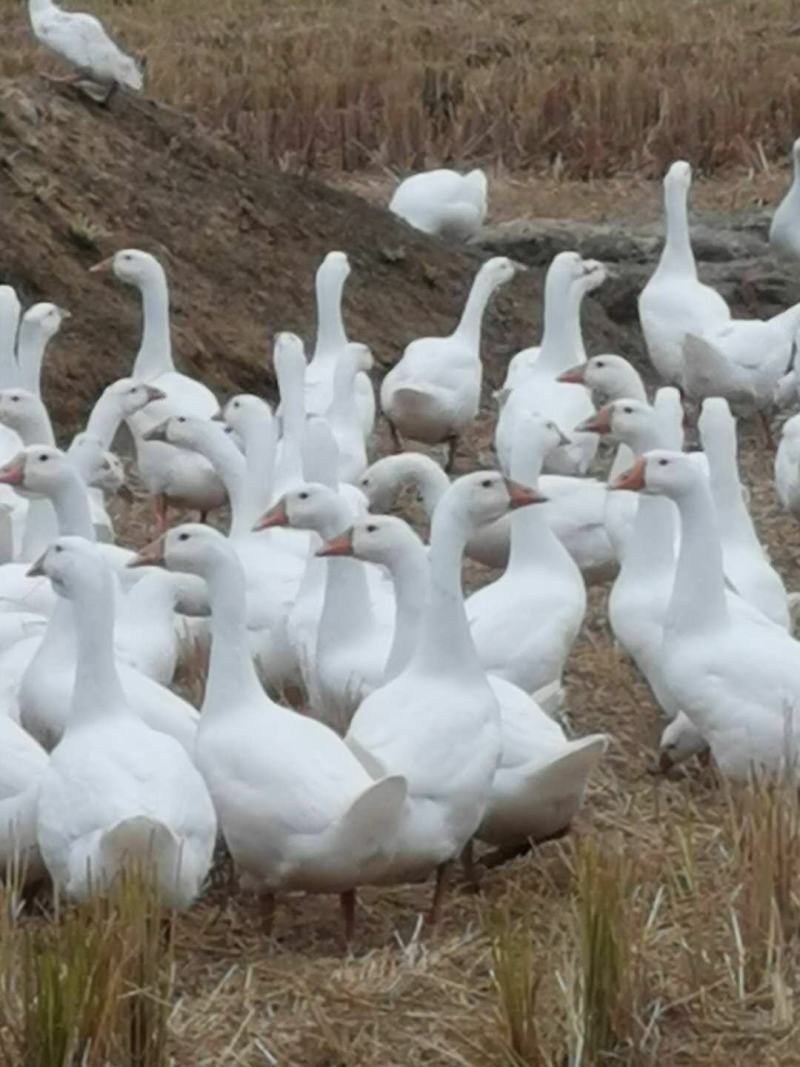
(664, 929)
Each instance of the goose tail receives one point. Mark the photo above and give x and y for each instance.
(371, 823)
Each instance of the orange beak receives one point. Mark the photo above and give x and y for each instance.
(599, 423)
(276, 516)
(633, 478)
(151, 555)
(36, 570)
(520, 496)
(105, 266)
(574, 375)
(153, 392)
(338, 546)
(13, 473)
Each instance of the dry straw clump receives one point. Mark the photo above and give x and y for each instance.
(569, 86)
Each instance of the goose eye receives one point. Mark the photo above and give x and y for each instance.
(15, 399)
(628, 411)
(236, 404)
(663, 462)
(303, 496)
(486, 483)
(59, 548)
(600, 363)
(43, 458)
(183, 537)
(181, 418)
(371, 528)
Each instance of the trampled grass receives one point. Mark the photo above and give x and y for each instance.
(575, 87)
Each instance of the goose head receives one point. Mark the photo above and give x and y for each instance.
(335, 265)
(498, 271)
(594, 274)
(243, 411)
(131, 266)
(607, 375)
(131, 395)
(111, 478)
(185, 431)
(92, 462)
(565, 269)
(20, 410)
(663, 473)
(380, 482)
(307, 507)
(680, 741)
(375, 539)
(39, 470)
(679, 174)
(190, 548)
(47, 318)
(485, 496)
(631, 421)
(71, 563)
(362, 354)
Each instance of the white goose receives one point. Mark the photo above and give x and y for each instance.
(525, 623)
(674, 302)
(290, 371)
(37, 327)
(332, 273)
(541, 777)
(570, 336)
(438, 722)
(784, 230)
(736, 678)
(746, 565)
(607, 378)
(540, 391)
(115, 791)
(442, 202)
(81, 40)
(297, 809)
(432, 394)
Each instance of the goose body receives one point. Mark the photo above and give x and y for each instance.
(674, 302)
(82, 40)
(114, 790)
(433, 393)
(787, 466)
(442, 202)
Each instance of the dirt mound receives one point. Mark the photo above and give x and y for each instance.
(240, 244)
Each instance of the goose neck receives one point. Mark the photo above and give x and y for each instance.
(98, 692)
(31, 346)
(651, 547)
(155, 351)
(9, 324)
(331, 336)
(445, 642)
(698, 595)
(410, 574)
(260, 444)
(36, 428)
(104, 419)
(70, 502)
(230, 467)
(232, 677)
(469, 326)
(726, 489)
(562, 303)
(677, 255)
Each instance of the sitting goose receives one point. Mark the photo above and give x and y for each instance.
(442, 202)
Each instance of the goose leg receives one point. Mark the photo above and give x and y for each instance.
(452, 446)
(472, 870)
(267, 903)
(442, 879)
(160, 511)
(348, 902)
(767, 430)
(398, 444)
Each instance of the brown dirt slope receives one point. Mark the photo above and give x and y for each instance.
(240, 244)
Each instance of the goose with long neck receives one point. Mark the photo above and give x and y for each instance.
(37, 327)
(331, 340)
(273, 564)
(345, 655)
(674, 302)
(525, 623)
(574, 510)
(567, 331)
(432, 394)
(540, 391)
(154, 362)
(736, 677)
(746, 564)
(118, 402)
(296, 808)
(784, 230)
(115, 790)
(342, 417)
(80, 39)
(541, 777)
(438, 723)
(251, 418)
(10, 314)
(50, 672)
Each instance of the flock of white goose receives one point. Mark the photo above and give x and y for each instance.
(428, 719)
